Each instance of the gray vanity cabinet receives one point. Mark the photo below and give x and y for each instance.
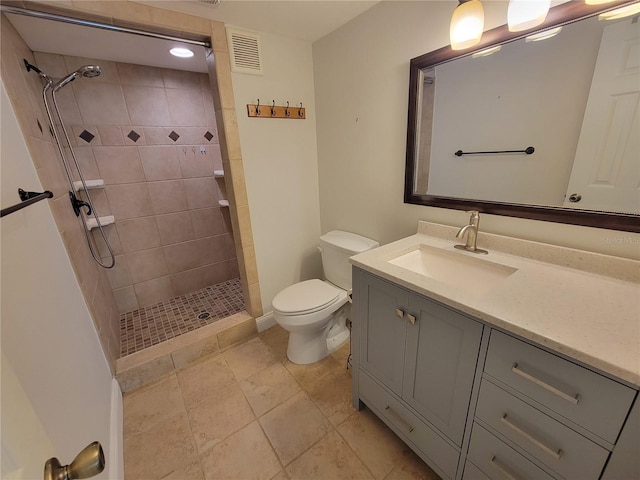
(415, 363)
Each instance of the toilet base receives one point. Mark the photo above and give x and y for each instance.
(309, 347)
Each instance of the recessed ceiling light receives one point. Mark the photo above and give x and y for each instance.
(181, 52)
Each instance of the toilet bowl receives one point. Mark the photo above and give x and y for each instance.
(315, 312)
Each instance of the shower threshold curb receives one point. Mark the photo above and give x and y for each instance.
(148, 365)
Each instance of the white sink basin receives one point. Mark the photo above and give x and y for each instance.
(459, 270)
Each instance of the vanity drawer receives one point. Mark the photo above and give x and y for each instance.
(498, 460)
(407, 425)
(589, 399)
(554, 444)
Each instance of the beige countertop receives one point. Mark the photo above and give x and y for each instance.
(583, 305)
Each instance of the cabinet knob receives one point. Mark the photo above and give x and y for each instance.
(411, 319)
(399, 313)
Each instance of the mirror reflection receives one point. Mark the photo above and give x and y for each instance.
(574, 97)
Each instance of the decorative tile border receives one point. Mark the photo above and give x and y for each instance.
(144, 327)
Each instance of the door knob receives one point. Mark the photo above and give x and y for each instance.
(411, 319)
(575, 197)
(399, 313)
(89, 462)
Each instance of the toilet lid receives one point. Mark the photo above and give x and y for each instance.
(305, 297)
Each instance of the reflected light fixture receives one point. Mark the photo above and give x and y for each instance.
(620, 12)
(526, 14)
(536, 37)
(181, 52)
(487, 51)
(467, 24)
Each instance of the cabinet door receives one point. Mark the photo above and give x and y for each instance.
(442, 352)
(383, 330)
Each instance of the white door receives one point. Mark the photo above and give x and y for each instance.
(606, 170)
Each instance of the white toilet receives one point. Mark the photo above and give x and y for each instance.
(314, 312)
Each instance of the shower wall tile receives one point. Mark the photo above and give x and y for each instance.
(101, 103)
(85, 135)
(113, 238)
(201, 192)
(129, 200)
(213, 249)
(147, 265)
(51, 63)
(154, 291)
(175, 228)
(100, 202)
(119, 164)
(207, 222)
(160, 162)
(119, 276)
(186, 107)
(168, 196)
(87, 163)
(126, 298)
(110, 135)
(195, 163)
(138, 234)
(69, 108)
(182, 256)
(181, 79)
(158, 135)
(147, 105)
(140, 75)
(134, 136)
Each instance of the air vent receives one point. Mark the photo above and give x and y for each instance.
(244, 49)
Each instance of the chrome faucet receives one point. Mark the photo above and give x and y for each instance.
(472, 234)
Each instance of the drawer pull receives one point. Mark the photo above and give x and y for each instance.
(407, 427)
(411, 319)
(569, 398)
(399, 313)
(502, 469)
(555, 453)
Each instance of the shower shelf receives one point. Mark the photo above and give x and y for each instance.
(223, 203)
(104, 221)
(218, 173)
(91, 184)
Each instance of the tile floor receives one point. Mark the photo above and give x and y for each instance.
(148, 326)
(249, 413)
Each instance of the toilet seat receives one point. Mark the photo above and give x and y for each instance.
(306, 297)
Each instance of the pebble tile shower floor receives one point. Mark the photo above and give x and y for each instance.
(147, 326)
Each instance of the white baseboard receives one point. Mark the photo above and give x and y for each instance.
(265, 321)
(115, 454)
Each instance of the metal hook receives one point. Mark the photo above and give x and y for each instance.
(286, 110)
(273, 108)
(300, 111)
(258, 108)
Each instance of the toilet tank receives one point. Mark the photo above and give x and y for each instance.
(336, 247)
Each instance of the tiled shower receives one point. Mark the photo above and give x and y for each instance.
(150, 134)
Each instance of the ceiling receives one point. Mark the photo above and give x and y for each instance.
(303, 19)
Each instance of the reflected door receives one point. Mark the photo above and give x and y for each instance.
(606, 172)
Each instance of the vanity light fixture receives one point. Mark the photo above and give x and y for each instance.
(536, 37)
(467, 24)
(526, 14)
(487, 51)
(181, 52)
(622, 12)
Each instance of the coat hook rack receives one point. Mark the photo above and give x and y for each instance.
(275, 111)
(528, 151)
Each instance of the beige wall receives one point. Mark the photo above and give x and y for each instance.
(361, 74)
(170, 235)
(280, 163)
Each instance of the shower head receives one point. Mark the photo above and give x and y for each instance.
(88, 71)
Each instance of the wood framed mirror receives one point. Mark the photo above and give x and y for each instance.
(443, 120)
